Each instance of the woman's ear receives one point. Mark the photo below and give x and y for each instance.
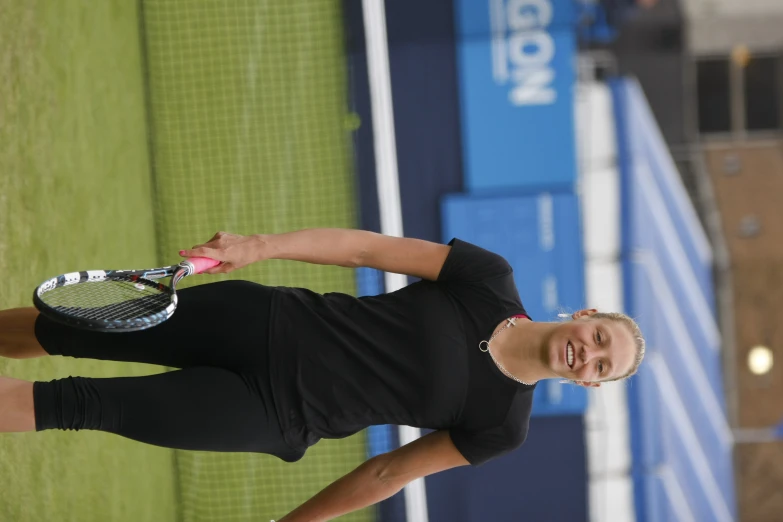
(584, 313)
(586, 384)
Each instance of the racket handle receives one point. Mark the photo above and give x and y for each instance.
(202, 263)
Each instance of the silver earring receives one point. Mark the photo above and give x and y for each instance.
(562, 316)
(564, 381)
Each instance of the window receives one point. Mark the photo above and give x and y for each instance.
(762, 102)
(738, 97)
(714, 94)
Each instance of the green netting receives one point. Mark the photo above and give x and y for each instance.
(248, 129)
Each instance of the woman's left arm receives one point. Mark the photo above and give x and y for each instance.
(380, 477)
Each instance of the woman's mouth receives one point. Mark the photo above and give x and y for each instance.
(570, 355)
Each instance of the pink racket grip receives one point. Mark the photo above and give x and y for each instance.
(202, 263)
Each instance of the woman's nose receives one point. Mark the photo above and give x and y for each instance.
(588, 352)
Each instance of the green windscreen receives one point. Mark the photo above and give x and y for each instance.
(248, 124)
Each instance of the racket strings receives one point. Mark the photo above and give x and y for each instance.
(109, 300)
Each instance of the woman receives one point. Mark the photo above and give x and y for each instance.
(274, 369)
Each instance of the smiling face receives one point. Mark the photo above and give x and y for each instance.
(591, 350)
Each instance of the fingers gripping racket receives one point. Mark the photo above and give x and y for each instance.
(115, 300)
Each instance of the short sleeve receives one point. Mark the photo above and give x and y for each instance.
(470, 263)
(481, 446)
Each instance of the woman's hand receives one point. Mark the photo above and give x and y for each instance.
(232, 250)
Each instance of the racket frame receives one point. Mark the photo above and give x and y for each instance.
(146, 277)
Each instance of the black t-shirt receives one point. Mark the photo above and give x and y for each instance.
(411, 357)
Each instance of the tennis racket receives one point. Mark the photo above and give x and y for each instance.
(115, 300)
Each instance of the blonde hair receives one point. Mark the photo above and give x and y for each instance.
(636, 333)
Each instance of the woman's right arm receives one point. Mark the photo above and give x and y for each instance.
(327, 246)
(380, 477)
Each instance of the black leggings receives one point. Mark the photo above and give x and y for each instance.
(220, 400)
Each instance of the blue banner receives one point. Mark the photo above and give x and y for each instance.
(516, 62)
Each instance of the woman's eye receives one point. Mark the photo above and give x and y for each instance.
(598, 336)
(600, 368)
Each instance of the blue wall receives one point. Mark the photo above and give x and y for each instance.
(516, 62)
(431, 100)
